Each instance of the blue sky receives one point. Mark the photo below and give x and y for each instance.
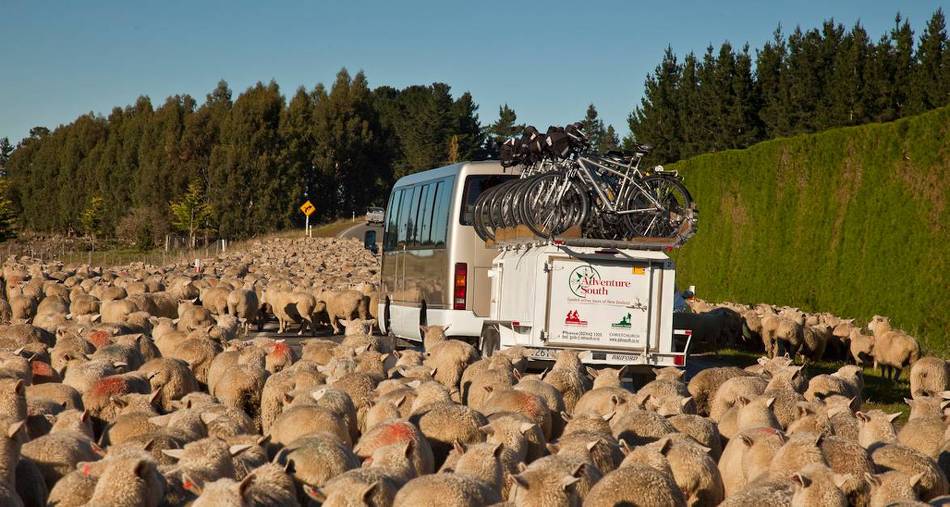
(547, 60)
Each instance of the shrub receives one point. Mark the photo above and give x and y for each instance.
(142, 228)
(850, 220)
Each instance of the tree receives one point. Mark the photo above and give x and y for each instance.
(656, 120)
(91, 217)
(7, 211)
(192, 212)
(930, 86)
(901, 66)
(6, 150)
(503, 128)
(769, 72)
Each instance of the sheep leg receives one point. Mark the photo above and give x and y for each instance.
(897, 373)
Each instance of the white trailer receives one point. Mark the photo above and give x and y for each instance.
(612, 302)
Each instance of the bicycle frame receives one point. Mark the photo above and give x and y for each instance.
(593, 180)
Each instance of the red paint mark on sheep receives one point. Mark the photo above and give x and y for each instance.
(398, 432)
(110, 386)
(41, 369)
(98, 339)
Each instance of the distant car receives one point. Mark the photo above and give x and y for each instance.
(375, 215)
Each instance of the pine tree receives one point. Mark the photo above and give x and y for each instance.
(503, 128)
(467, 131)
(902, 67)
(593, 127)
(930, 86)
(846, 86)
(6, 151)
(688, 100)
(769, 68)
(7, 211)
(656, 120)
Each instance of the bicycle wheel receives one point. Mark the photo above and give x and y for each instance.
(552, 204)
(496, 202)
(480, 222)
(662, 207)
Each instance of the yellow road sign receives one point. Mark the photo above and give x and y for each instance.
(308, 208)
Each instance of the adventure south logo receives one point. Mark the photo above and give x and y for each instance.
(585, 281)
(573, 319)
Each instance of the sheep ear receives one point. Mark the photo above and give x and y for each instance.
(742, 401)
(520, 481)
(625, 447)
(746, 439)
(915, 480)
(665, 446)
(841, 479)
(525, 427)
(154, 397)
(590, 445)
(173, 453)
(769, 402)
(592, 371)
(457, 445)
(552, 448)
(119, 402)
(873, 480)
(245, 485)
(486, 429)
(189, 484)
(893, 417)
(801, 480)
(568, 482)
(15, 428)
(19, 387)
(141, 468)
(862, 416)
(84, 416)
(367, 492)
(565, 416)
(685, 401)
(234, 450)
(315, 493)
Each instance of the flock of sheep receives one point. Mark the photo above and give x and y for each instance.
(136, 386)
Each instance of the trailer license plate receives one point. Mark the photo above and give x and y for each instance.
(545, 354)
(625, 357)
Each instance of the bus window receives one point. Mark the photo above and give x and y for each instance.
(412, 234)
(474, 186)
(440, 214)
(425, 217)
(403, 219)
(392, 223)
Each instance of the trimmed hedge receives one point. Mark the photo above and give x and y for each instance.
(852, 221)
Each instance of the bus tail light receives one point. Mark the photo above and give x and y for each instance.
(461, 284)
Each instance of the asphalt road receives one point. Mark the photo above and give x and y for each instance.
(359, 229)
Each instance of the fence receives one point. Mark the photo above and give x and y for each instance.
(177, 249)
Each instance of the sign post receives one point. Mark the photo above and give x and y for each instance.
(308, 209)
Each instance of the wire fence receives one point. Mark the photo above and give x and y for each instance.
(176, 250)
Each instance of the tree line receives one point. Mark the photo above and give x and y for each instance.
(809, 81)
(237, 166)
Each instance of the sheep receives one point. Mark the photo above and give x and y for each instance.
(704, 385)
(892, 487)
(925, 434)
(304, 420)
(449, 489)
(567, 376)
(638, 427)
(893, 350)
(699, 429)
(876, 427)
(215, 299)
(394, 433)
(747, 454)
(552, 481)
(444, 423)
(170, 377)
(346, 305)
(932, 482)
(861, 348)
(730, 390)
(317, 458)
(527, 404)
(929, 376)
(129, 481)
(636, 485)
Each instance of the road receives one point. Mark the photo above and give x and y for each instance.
(359, 229)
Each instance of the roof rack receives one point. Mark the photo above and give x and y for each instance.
(520, 237)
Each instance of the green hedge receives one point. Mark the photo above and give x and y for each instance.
(853, 221)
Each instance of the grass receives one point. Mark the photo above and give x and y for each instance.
(879, 393)
(331, 229)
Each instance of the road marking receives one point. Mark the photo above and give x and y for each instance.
(347, 231)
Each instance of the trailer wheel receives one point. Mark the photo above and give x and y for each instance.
(489, 341)
(386, 316)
